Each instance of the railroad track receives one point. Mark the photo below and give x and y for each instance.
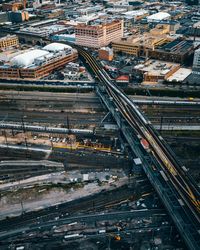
(88, 204)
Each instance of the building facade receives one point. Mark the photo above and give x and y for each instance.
(96, 36)
(158, 47)
(105, 54)
(138, 45)
(18, 16)
(8, 41)
(178, 51)
(12, 6)
(30, 66)
(196, 62)
(192, 2)
(155, 71)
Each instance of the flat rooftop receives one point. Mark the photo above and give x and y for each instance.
(45, 29)
(178, 46)
(134, 13)
(180, 75)
(192, 79)
(34, 57)
(35, 24)
(6, 55)
(145, 39)
(155, 67)
(7, 37)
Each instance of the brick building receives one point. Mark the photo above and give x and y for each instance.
(105, 53)
(12, 6)
(139, 45)
(155, 71)
(8, 41)
(38, 63)
(98, 35)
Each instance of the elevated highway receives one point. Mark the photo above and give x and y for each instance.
(169, 177)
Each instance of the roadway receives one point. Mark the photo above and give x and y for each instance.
(131, 226)
(91, 203)
(167, 167)
(83, 218)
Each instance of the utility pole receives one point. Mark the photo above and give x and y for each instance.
(170, 233)
(22, 207)
(12, 132)
(67, 122)
(5, 135)
(161, 123)
(93, 206)
(24, 131)
(109, 241)
(65, 165)
(6, 140)
(51, 145)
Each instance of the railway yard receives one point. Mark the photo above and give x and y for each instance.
(81, 190)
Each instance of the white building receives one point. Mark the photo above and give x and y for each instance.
(158, 17)
(134, 14)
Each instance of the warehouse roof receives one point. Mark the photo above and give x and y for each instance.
(180, 75)
(158, 16)
(156, 67)
(56, 47)
(133, 13)
(178, 46)
(28, 58)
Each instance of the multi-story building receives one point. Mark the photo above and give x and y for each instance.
(154, 71)
(105, 54)
(12, 6)
(192, 2)
(160, 29)
(159, 47)
(139, 45)
(179, 51)
(98, 35)
(196, 62)
(193, 78)
(157, 17)
(18, 16)
(8, 41)
(3, 17)
(38, 63)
